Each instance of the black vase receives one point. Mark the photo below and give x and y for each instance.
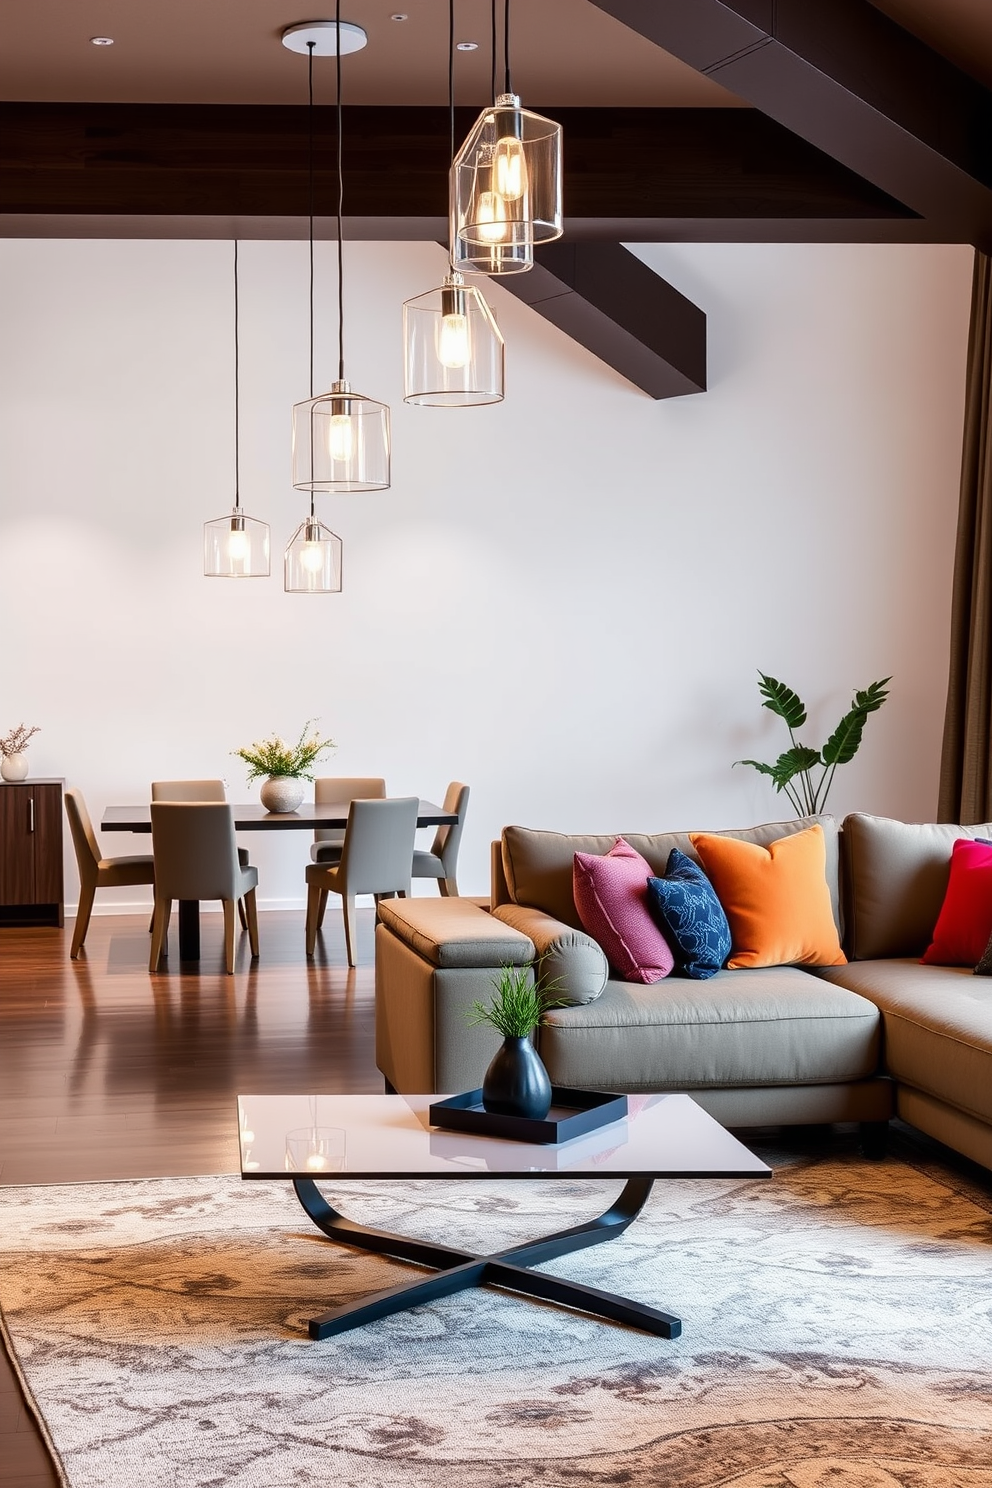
(516, 1083)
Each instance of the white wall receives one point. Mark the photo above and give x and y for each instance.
(562, 600)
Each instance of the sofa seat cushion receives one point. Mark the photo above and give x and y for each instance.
(769, 1026)
(937, 1025)
(455, 933)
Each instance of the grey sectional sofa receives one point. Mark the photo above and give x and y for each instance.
(883, 1035)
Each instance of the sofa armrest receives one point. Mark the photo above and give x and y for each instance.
(455, 933)
(435, 958)
(572, 964)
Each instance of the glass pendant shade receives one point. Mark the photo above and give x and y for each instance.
(453, 350)
(506, 185)
(312, 562)
(236, 547)
(340, 442)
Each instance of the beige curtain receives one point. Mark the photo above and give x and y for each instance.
(966, 759)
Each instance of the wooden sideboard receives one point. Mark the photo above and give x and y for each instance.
(31, 888)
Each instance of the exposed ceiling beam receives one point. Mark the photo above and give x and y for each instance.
(846, 79)
(621, 311)
(630, 174)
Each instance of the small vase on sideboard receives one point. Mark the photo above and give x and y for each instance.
(14, 767)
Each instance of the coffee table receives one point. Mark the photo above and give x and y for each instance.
(333, 1138)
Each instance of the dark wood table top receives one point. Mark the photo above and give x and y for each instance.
(255, 818)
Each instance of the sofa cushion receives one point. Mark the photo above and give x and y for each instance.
(537, 866)
(455, 933)
(610, 892)
(895, 878)
(965, 920)
(775, 897)
(776, 1026)
(685, 904)
(938, 1027)
(571, 963)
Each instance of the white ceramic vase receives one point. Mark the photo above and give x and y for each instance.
(282, 792)
(15, 767)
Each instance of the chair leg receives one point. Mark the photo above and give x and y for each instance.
(229, 913)
(87, 893)
(161, 915)
(313, 916)
(251, 915)
(321, 908)
(448, 888)
(350, 928)
(242, 916)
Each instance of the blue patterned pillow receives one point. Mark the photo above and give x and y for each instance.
(685, 905)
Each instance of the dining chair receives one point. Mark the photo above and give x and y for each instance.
(376, 859)
(340, 790)
(196, 857)
(96, 872)
(199, 790)
(441, 861)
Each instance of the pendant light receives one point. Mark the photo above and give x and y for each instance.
(506, 181)
(236, 546)
(341, 438)
(453, 352)
(312, 561)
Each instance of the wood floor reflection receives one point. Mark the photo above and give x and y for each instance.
(108, 1072)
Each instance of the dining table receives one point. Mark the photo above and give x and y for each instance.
(307, 817)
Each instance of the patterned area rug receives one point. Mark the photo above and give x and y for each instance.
(837, 1334)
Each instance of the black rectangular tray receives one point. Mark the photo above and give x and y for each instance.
(572, 1114)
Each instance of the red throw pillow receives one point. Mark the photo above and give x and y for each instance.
(965, 920)
(611, 896)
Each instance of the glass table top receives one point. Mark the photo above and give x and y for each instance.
(390, 1136)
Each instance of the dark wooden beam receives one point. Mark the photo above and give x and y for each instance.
(846, 79)
(629, 173)
(615, 306)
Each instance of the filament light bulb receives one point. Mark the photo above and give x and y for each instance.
(453, 348)
(238, 546)
(340, 436)
(510, 168)
(312, 556)
(492, 217)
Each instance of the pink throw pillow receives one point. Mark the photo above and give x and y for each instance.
(611, 897)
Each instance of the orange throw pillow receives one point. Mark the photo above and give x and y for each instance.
(775, 898)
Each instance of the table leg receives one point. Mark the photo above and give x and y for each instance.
(189, 929)
(458, 1269)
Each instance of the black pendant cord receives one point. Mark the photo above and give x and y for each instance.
(337, 59)
(506, 47)
(451, 112)
(310, 50)
(237, 391)
(495, 50)
(310, 47)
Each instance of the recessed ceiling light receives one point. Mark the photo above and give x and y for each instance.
(467, 46)
(399, 16)
(101, 41)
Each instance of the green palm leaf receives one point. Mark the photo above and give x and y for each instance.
(782, 700)
(845, 741)
(793, 762)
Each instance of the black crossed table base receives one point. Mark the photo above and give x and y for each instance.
(459, 1269)
(332, 1139)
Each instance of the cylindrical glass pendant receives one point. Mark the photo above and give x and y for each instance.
(453, 351)
(313, 559)
(341, 442)
(236, 547)
(506, 184)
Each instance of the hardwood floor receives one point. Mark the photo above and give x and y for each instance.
(108, 1072)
